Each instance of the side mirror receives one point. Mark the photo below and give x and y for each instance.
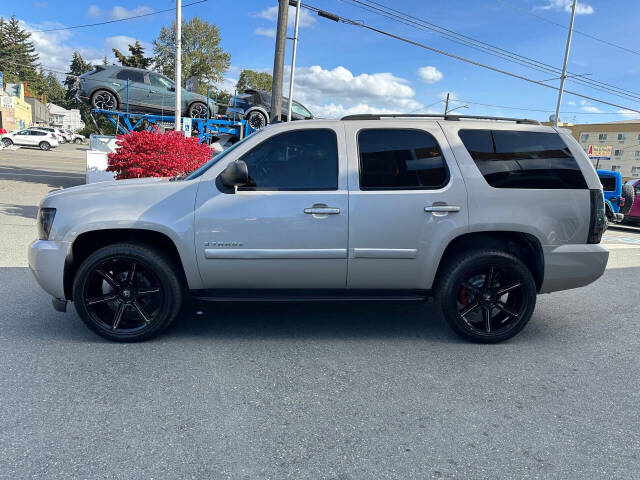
(235, 174)
(172, 89)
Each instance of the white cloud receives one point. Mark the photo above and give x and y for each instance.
(429, 74)
(94, 11)
(591, 109)
(271, 14)
(337, 92)
(559, 5)
(628, 113)
(572, 103)
(117, 12)
(267, 32)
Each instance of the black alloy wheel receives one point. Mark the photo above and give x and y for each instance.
(256, 119)
(487, 296)
(104, 100)
(44, 146)
(7, 142)
(198, 110)
(127, 292)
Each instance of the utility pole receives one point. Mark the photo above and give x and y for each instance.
(566, 59)
(178, 109)
(293, 60)
(278, 61)
(446, 105)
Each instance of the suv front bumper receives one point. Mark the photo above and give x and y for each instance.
(46, 262)
(572, 266)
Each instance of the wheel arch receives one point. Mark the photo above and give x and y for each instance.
(88, 242)
(257, 108)
(523, 245)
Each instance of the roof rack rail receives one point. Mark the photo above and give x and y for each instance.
(375, 116)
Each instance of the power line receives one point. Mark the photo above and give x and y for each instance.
(468, 41)
(118, 20)
(463, 59)
(544, 19)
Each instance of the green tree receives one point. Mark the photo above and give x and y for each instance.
(254, 80)
(202, 55)
(55, 91)
(78, 67)
(136, 59)
(18, 57)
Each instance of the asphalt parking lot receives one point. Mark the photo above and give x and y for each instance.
(318, 391)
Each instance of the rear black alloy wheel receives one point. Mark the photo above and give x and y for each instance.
(198, 110)
(127, 292)
(487, 296)
(104, 100)
(256, 119)
(44, 146)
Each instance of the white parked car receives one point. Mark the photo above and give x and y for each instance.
(75, 137)
(482, 215)
(60, 135)
(31, 137)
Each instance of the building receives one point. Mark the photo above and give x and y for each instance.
(39, 111)
(66, 119)
(15, 112)
(612, 146)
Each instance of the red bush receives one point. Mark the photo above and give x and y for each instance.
(148, 154)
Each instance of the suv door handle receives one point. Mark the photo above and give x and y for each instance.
(324, 210)
(153, 91)
(442, 208)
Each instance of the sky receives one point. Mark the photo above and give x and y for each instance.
(343, 69)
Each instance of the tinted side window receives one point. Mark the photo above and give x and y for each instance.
(296, 160)
(37, 133)
(131, 75)
(511, 159)
(400, 159)
(608, 184)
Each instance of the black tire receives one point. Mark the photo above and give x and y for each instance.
(44, 146)
(470, 285)
(124, 307)
(77, 140)
(104, 100)
(7, 142)
(197, 110)
(256, 119)
(628, 193)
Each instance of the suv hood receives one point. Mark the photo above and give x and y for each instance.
(107, 188)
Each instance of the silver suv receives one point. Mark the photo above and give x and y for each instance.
(481, 214)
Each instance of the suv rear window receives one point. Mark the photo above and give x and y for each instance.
(131, 75)
(608, 184)
(400, 159)
(515, 159)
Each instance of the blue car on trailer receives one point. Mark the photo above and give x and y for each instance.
(617, 203)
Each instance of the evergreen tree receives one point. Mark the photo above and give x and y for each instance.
(18, 57)
(78, 67)
(136, 59)
(55, 91)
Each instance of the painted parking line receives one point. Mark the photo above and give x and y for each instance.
(621, 240)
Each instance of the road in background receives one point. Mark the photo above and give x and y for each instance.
(333, 391)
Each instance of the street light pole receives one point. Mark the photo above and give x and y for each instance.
(566, 59)
(293, 60)
(278, 61)
(178, 109)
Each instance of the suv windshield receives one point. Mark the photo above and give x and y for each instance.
(300, 110)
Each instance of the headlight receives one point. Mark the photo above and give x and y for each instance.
(45, 220)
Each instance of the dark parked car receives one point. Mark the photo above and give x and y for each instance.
(105, 87)
(255, 107)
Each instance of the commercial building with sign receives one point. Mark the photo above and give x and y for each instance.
(15, 113)
(612, 146)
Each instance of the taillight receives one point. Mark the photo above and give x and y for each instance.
(598, 223)
(621, 201)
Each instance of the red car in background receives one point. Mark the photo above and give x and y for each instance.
(634, 214)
